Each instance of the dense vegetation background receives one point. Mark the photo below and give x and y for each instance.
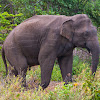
(12, 13)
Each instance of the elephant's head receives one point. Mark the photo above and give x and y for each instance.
(80, 31)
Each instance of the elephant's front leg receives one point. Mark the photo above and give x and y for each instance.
(46, 60)
(65, 64)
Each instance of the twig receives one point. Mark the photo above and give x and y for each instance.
(5, 7)
(36, 2)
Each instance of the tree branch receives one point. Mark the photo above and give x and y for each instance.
(37, 2)
(5, 7)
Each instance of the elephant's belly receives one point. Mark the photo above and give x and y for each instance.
(31, 55)
(32, 61)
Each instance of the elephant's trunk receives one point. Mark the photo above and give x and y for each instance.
(95, 59)
(94, 48)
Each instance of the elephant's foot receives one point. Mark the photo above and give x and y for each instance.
(44, 85)
(68, 78)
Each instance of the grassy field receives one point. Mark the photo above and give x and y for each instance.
(83, 87)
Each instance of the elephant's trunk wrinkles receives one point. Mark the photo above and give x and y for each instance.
(94, 48)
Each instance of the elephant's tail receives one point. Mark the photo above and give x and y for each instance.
(4, 60)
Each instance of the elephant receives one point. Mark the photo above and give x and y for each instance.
(42, 39)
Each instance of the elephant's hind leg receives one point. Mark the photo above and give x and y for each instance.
(12, 71)
(19, 62)
(21, 66)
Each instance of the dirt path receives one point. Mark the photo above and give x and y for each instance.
(52, 85)
(32, 85)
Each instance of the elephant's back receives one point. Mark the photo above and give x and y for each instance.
(44, 21)
(34, 30)
(9, 41)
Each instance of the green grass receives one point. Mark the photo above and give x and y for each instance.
(78, 65)
(85, 88)
(2, 67)
(56, 74)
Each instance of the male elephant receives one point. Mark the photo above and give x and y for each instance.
(41, 39)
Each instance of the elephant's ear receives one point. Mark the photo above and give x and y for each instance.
(67, 29)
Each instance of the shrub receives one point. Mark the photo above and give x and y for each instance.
(6, 24)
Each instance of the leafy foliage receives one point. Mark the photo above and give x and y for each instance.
(78, 65)
(99, 35)
(6, 24)
(62, 7)
(93, 10)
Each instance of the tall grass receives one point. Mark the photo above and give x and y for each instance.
(84, 87)
(2, 67)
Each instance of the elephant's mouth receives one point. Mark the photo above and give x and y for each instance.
(84, 46)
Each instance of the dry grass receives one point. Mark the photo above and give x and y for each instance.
(85, 88)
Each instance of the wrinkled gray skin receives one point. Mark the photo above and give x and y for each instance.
(41, 39)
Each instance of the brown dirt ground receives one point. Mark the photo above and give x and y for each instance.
(34, 84)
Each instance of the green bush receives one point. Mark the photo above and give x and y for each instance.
(78, 65)
(6, 24)
(56, 74)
